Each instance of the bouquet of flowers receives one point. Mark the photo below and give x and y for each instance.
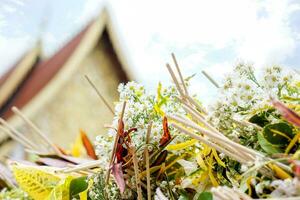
(168, 146)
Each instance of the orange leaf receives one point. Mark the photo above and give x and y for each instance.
(88, 145)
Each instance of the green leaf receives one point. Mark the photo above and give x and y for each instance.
(183, 197)
(77, 186)
(266, 146)
(279, 134)
(260, 119)
(205, 196)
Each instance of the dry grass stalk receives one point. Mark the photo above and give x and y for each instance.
(132, 151)
(148, 162)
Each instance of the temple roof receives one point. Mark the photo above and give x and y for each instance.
(38, 79)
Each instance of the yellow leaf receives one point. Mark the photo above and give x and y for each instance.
(206, 150)
(292, 143)
(201, 179)
(158, 110)
(210, 174)
(219, 161)
(248, 183)
(182, 145)
(201, 162)
(62, 190)
(38, 182)
(159, 87)
(279, 172)
(77, 148)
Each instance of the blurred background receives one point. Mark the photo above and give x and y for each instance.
(47, 46)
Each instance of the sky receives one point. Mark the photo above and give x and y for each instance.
(204, 35)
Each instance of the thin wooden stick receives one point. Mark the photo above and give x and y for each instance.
(14, 137)
(17, 133)
(112, 159)
(147, 161)
(81, 167)
(199, 107)
(136, 172)
(99, 94)
(209, 143)
(200, 118)
(210, 79)
(36, 130)
(239, 149)
(175, 80)
(180, 74)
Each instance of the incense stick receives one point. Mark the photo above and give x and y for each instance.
(17, 133)
(209, 143)
(175, 80)
(237, 148)
(99, 94)
(14, 137)
(193, 102)
(180, 74)
(36, 130)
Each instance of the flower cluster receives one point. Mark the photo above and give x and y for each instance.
(244, 94)
(141, 107)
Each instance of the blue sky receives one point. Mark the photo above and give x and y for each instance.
(205, 35)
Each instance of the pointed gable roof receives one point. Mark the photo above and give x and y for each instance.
(47, 76)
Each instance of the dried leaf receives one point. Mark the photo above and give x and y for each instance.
(53, 162)
(166, 135)
(287, 113)
(160, 158)
(117, 172)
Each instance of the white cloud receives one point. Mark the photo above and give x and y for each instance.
(195, 30)
(155, 29)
